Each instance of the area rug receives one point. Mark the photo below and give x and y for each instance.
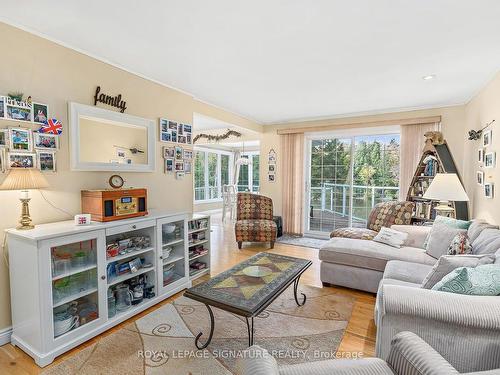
(162, 342)
(314, 243)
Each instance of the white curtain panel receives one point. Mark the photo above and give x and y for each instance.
(412, 144)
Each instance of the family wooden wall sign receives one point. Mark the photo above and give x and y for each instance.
(113, 101)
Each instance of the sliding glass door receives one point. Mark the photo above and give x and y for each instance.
(347, 176)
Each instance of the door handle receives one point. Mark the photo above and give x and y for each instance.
(103, 277)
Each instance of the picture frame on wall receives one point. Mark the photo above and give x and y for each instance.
(179, 153)
(172, 125)
(164, 133)
(166, 137)
(187, 166)
(20, 139)
(188, 154)
(490, 160)
(169, 165)
(179, 166)
(480, 177)
(489, 190)
(46, 161)
(45, 141)
(487, 135)
(21, 160)
(17, 110)
(4, 138)
(40, 113)
(480, 155)
(168, 152)
(2, 107)
(189, 138)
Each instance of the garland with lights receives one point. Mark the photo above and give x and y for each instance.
(217, 138)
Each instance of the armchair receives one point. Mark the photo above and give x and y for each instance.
(254, 219)
(383, 214)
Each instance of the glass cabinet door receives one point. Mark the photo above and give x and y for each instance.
(74, 273)
(172, 252)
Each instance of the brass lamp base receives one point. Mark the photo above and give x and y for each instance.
(25, 221)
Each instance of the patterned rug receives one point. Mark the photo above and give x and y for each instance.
(162, 342)
(315, 243)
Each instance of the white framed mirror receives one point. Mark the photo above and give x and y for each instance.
(103, 140)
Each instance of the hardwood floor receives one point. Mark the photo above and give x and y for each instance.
(359, 335)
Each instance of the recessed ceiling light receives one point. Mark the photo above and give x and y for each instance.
(429, 77)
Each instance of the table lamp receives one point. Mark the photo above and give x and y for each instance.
(446, 187)
(24, 179)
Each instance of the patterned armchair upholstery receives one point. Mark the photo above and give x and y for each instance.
(254, 219)
(383, 214)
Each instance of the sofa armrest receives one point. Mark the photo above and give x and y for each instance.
(257, 361)
(463, 329)
(410, 355)
(416, 234)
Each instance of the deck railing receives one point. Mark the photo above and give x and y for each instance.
(334, 198)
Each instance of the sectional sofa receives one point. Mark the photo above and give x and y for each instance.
(465, 330)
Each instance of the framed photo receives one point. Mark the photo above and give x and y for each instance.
(181, 139)
(17, 110)
(271, 177)
(4, 137)
(187, 128)
(20, 139)
(168, 152)
(179, 175)
(164, 134)
(172, 125)
(188, 154)
(169, 165)
(2, 106)
(480, 155)
(480, 177)
(40, 113)
(490, 160)
(44, 141)
(21, 160)
(46, 161)
(180, 129)
(187, 166)
(487, 138)
(179, 166)
(489, 190)
(174, 136)
(189, 139)
(272, 167)
(179, 153)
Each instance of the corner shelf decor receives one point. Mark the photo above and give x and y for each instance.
(436, 158)
(199, 245)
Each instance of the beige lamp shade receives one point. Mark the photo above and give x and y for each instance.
(24, 179)
(446, 187)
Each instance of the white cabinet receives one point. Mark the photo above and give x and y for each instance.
(69, 283)
(198, 245)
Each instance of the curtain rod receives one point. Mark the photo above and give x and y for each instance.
(410, 121)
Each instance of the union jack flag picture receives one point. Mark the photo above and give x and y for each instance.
(53, 126)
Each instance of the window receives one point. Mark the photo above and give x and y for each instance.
(249, 174)
(212, 169)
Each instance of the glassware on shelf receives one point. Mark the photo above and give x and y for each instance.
(124, 297)
(79, 259)
(61, 289)
(62, 264)
(111, 304)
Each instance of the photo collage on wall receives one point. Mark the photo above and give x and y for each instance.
(21, 147)
(271, 166)
(175, 132)
(177, 160)
(487, 161)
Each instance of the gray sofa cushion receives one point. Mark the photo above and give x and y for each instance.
(257, 361)
(380, 294)
(488, 242)
(369, 254)
(477, 226)
(448, 263)
(440, 238)
(406, 271)
(367, 366)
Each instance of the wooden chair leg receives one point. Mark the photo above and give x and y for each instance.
(239, 244)
(272, 244)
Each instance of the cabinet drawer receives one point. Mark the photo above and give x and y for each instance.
(130, 227)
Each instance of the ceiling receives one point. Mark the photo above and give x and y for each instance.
(285, 60)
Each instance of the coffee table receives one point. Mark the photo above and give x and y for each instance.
(237, 292)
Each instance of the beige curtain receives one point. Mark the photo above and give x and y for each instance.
(292, 167)
(412, 144)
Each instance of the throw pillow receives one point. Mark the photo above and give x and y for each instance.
(476, 227)
(391, 237)
(460, 245)
(448, 263)
(479, 281)
(487, 242)
(450, 222)
(440, 239)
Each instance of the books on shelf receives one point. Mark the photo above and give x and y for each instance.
(423, 210)
(430, 165)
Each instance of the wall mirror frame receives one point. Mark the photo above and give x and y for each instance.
(77, 112)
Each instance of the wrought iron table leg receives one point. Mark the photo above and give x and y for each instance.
(295, 286)
(250, 330)
(212, 326)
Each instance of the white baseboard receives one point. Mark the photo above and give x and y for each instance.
(5, 335)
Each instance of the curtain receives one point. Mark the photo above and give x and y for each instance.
(292, 166)
(412, 144)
